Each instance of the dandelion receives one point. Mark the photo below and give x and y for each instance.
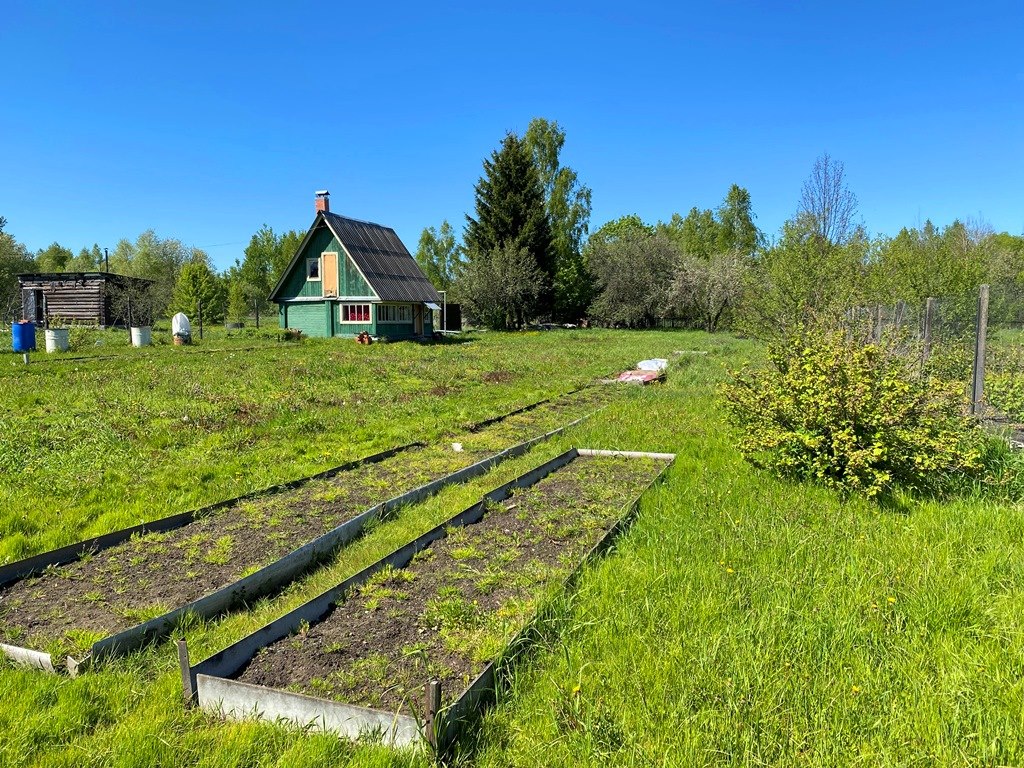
(892, 600)
(576, 690)
(856, 689)
(729, 570)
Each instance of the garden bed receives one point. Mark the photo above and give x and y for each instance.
(441, 609)
(70, 607)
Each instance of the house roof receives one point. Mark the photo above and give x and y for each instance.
(385, 262)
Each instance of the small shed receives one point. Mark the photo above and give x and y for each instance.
(102, 299)
(350, 276)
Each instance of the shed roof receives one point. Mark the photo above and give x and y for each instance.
(380, 255)
(65, 276)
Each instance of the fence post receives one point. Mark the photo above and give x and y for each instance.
(199, 318)
(981, 330)
(929, 319)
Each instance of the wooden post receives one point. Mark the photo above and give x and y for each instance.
(186, 673)
(433, 707)
(199, 317)
(256, 304)
(981, 330)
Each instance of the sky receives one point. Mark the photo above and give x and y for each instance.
(204, 121)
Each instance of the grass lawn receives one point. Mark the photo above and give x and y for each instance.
(740, 621)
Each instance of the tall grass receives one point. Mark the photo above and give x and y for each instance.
(740, 621)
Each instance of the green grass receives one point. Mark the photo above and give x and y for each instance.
(741, 620)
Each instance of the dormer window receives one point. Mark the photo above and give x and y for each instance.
(313, 269)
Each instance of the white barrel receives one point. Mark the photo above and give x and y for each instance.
(58, 339)
(142, 336)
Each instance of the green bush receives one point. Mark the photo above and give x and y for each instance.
(1004, 376)
(1005, 392)
(856, 417)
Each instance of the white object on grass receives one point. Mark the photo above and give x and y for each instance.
(655, 364)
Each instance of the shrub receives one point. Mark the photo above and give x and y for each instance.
(1004, 381)
(856, 417)
(1005, 392)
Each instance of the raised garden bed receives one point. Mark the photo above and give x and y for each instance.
(130, 587)
(439, 613)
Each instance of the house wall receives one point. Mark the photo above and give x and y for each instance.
(310, 317)
(323, 318)
(350, 282)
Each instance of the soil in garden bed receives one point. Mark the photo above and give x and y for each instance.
(145, 577)
(461, 600)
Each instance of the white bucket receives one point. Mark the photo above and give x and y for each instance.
(142, 336)
(57, 339)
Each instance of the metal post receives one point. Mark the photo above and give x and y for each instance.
(433, 707)
(981, 330)
(106, 260)
(186, 673)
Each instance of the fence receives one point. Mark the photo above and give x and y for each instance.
(977, 337)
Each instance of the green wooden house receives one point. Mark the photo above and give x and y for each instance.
(350, 276)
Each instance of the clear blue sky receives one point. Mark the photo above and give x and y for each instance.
(204, 121)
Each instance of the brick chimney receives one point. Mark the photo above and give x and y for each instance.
(323, 201)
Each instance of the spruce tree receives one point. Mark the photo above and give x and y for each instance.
(510, 213)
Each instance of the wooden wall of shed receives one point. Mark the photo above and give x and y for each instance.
(70, 302)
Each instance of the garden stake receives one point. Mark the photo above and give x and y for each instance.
(433, 707)
(186, 673)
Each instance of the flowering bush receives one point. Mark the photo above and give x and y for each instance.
(856, 417)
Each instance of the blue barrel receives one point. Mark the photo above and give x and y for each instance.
(23, 336)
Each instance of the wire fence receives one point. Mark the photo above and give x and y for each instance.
(977, 338)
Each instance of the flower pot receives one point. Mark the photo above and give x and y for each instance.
(142, 336)
(58, 339)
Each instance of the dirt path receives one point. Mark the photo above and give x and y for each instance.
(151, 574)
(456, 606)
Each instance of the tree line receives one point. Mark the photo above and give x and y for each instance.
(183, 276)
(527, 255)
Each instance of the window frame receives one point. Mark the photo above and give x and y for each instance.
(345, 308)
(397, 314)
(310, 261)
